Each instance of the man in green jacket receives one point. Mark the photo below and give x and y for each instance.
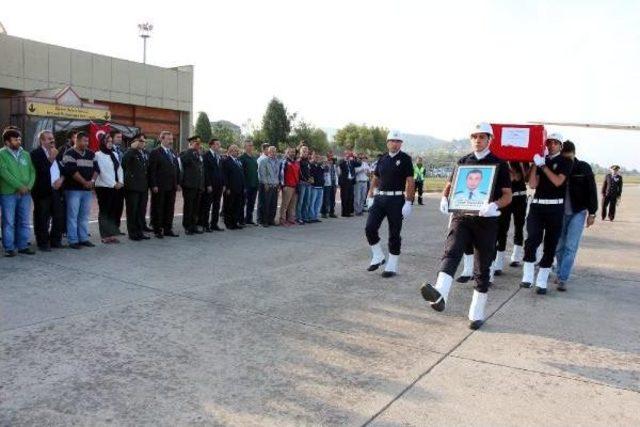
(17, 176)
(419, 172)
(251, 184)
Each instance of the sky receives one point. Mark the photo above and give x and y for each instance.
(430, 67)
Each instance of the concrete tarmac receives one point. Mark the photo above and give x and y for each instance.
(283, 326)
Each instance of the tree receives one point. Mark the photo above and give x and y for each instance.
(315, 138)
(203, 127)
(226, 132)
(361, 138)
(276, 123)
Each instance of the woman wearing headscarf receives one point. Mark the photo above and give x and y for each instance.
(108, 181)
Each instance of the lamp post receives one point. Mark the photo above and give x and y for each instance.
(145, 32)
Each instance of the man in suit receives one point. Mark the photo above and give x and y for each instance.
(47, 199)
(164, 172)
(234, 189)
(347, 181)
(611, 192)
(214, 184)
(192, 185)
(136, 186)
(472, 193)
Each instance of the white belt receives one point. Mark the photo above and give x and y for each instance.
(548, 201)
(519, 193)
(390, 193)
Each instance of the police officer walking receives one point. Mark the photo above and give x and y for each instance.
(611, 192)
(518, 209)
(390, 195)
(548, 176)
(480, 230)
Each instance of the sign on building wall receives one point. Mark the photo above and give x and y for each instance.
(67, 112)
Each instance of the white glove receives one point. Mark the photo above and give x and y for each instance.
(538, 160)
(489, 210)
(444, 206)
(406, 209)
(369, 202)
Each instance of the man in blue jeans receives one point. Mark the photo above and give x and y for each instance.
(17, 176)
(581, 204)
(304, 188)
(80, 170)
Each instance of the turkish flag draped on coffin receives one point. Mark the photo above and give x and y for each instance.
(95, 132)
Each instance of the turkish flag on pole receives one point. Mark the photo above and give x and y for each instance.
(95, 132)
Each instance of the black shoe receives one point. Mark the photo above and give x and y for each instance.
(250, 223)
(120, 233)
(27, 251)
(333, 216)
(145, 237)
(135, 238)
(463, 279)
(239, 227)
(514, 264)
(87, 244)
(75, 245)
(188, 232)
(207, 230)
(525, 285)
(374, 267)
(171, 234)
(431, 294)
(541, 291)
(147, 229)
(44, 248)
(562, 287)
(10, 254)
(198, 231)
(266, 225)
(159, 236)
(387, 274)
(57, 245)
(475, 325)
(324, 216)
(216, 228)
(497, 273)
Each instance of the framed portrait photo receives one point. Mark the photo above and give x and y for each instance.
(471, 187)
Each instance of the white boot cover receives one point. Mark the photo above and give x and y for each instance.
(528, 271)
(476, 309)
(377, 254)
(443, 284)
(392, 263)
(543, 277)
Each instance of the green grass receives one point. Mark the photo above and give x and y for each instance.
(434, 185)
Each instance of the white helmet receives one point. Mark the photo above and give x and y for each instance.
(395, 135)
(556, 136)
(482, 128)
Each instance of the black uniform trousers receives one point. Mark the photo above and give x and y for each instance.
(518, 209)
(419, 190)
(232, 208)
(136, 207)
(162, 208)
(210, 208)
(609, 202)
(481, 234)
(328, 200)
(190, 209)
(48, 213)
(391, 208)
(346, 197)
(544, 221)
(118, 206)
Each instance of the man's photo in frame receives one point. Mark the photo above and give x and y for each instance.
(471, 187)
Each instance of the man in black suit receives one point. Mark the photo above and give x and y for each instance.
(136, 186)
(164, 172)
(234, 189)
(214, 184)
(47, 200)
(347, 180)
(192, 185)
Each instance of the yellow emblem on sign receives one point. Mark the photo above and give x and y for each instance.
(67, 112)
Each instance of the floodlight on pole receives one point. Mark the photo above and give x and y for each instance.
(145, 32)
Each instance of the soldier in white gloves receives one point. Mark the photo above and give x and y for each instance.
(390, 195)
(480, 230)
(548, 176)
